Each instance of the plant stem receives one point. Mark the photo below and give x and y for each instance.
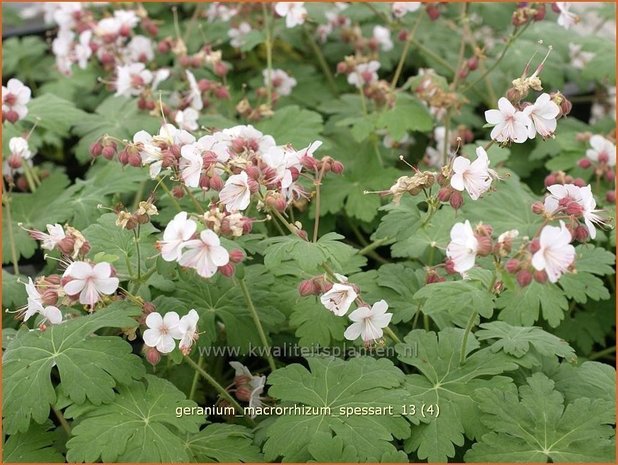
(389, 332)
(323, 64)
(193, 199)
(425, 322)
(464, 342)
(258, 323)
(404, 53)
(171, 196)
(139, 258)
(374, 245)
(139, 194)
(602, 353)
(269, 55)
(63, 422)
(14, 257)
(318, 183)
(29, 177)
(213, 382)
(196, 375)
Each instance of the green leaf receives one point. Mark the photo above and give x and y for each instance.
(34, 446)
(13, 292)
(315, 325)
(54, 113)
(293, 125)
(402, 282)
(581, 285)
(140, 425)
(444, 382)
(408, 114)
(307, 255)
(539, 426)
(334, 383)
(34, 211)
(431, 237)
(590, 379)
(517, 340)
(522, 306)
(452, 302)
(89, 366)
(224, 443)
(595, 260)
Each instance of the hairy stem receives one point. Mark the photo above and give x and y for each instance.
(258, 323)
(389, 332)
(464, 342)
(196, 375)
(9, 219)
(330, 79)
(63, 421)
(404, 52)
(269, 54)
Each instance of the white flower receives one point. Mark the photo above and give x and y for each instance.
(508, 236)
(188, 331)
(563, 194)
(475, 177)
(368, 322)
(382, 36)
(89, 281)
(195, 94)
(126, 18)
(463, 247)
(602, 150)
(238, 35)
(19, 146)
(339, 298)
(191, 164)
(280, 159)
(556, 253)
(509, 123)
(162, 331)
(205, 254)
(281, 81)
(187, 119)
(400, 9)
(579, 58)
(160, 75)
(35, 305)
(364, 73)
(140, 48)
(62, 47)
(236, 195)
(130, 79)
(15, 97)
(255, 383)
(51, 240)
(590, 212)
(218, 10)
(108, 27)
(171, 135)
(566, 19)
(82, 49)
(149, 153)
(294, 12)
(176, 233)
(542, 117)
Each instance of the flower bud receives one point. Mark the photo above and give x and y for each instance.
(540, 276)
(134, 158)
(337, 167)
(484, 245)
(153, 356)
(484, 230)
(540, 12)
(512, 266)
(538, 208)
(49, 297)
(185, 61)
(403, 35)
(456, 200)
(610, 196)
(14, 161)
(473, 63)
(574, 208)
(444, 194)
(148, 307)
(220, 69)
(216, 183)
(463, 72)
(433, 277)
(550, 179)
(66, 245)
(534, 245)
(432, 11)
(95, 149)
(108, 152)
(237, 256)
(227, 270)
(178, 192)
(579, 182)
(581, 233)
(222, 93)
(11, 116)
(584, 163)
(123, 157)
(204, 182)
(307, 287)
(610, 176)
(523, 277)
(449, 266)
(243, 393)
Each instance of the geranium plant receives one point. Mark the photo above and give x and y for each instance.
(332, 232)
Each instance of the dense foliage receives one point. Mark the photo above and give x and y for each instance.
(309, 232)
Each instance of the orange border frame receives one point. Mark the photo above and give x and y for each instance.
(271, 1)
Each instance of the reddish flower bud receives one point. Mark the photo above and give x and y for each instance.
(342, 67)
(337, 167)
(463, 72)
(610, 176)
(14, 161)
(185, 61)
(227, 270)
(523, 277)
(108, 152)
(473, 63)
(49, 297)
(216, 183)
(456, 200)
(584, 163)
(484, 245)
(243, 393)
(178, 192)
(11, 116)
(134, 158)
(247, 225)
(220, 69)
(538, 208)
(95, 149)
(204, 182)
(449, 266)
(581, 233)
(222, 93)
(540, 12)
(579, 182)
(433, 277)
(307, 287)
(148, 307)
(484, 230)
(433, 12)
(66, 245)
(550, 180)
(403, 35)
(512, 266)
(237, 256)
(153, 356)
(534, 246)
(123, 157)
(574, 208)
(253, 185)
(444, 194)
(540, 276)
(610, 196)
(555, 8)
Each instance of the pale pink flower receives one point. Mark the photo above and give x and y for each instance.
(566, 19)
(82, 50)
(35, 305)
(90, 282)
(51, 240)
(176, 234)
(475, 177)
(579, 58)
(509, 123)
(188, 331)
(205, 254)
(191, 164)
(295, 13)
(400, 9)
(18, 146)
(131, 79)
(187, 119)
(195, 94)
(140, 48)
(463, 247)
(236, 195)
(364, 73)
(238, 35)
(556, 254)
(382, 35)
(602, 150)
(369, 322)
(563, 194)
(339, 298)
(542, 117)
(149, 152)
(162, 331)
(15, 97)
(282, 82)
